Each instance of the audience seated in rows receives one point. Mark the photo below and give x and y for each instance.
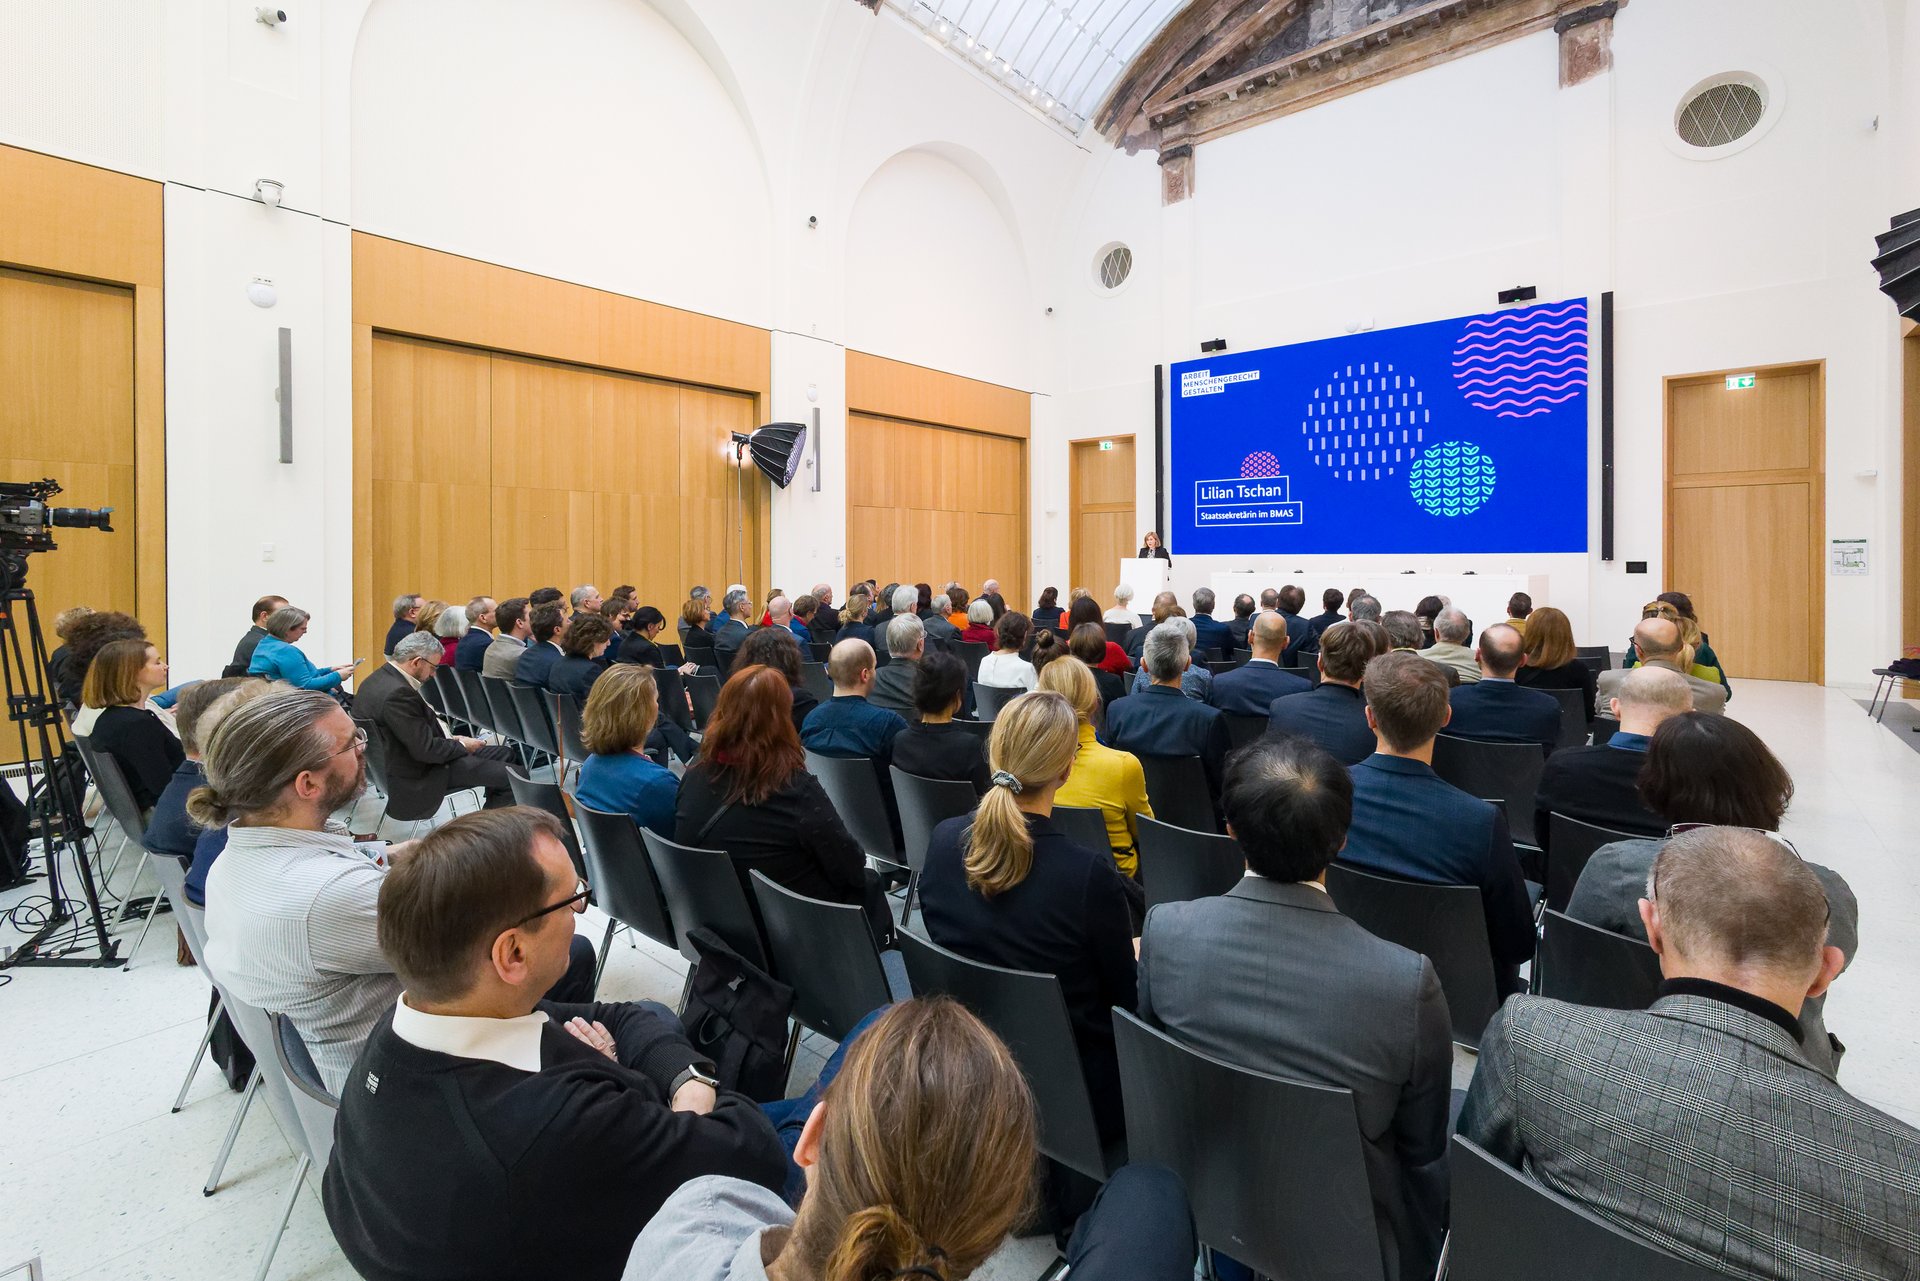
(292, 902)
(934, 620)
(1122, 611)
(919, 1160)
(549, 628)
(727, 637)
(1325, 1001)
(1088, 643)
(1242, 622)
(619, 777)
(1702, 661)
(848, 724)
(1553, 659)
(1495, 708)
(504, 652)
(1213, 639)
(1087, 610)
(169, 830)
(1047, 612)
(278, 657)
(1332, 713)
(933, 746)
(906, 644)
(1197, 681)
(1657, 643)
(854, 624)
(774, 647)
(450, 627)
(243, 651)
(1403, 630)
(1703, 770)
(1103, 778)
(1599, 784)
(1162, 721)
(1451, 632)
(585, 653)
(1288, 601)
(1004, 668)
(1411, 824)
(211, 841)
(1164, 606)
(694, 626)
(116, 719)
(1003, 886)
(470, 654)
(749, 793)
(1698, 1124)
(480, 1119)
(1251, 688)
(1330, 602)
(406, 613)
(424, 762)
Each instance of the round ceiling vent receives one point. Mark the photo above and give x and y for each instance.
(1113, 266)
(1722, 111)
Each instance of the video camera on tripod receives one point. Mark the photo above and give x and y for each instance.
(27, 523)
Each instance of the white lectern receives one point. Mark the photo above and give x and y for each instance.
(1148, 577)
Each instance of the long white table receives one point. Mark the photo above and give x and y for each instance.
(1482, 597)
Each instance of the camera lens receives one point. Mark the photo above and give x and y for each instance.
(81, 517)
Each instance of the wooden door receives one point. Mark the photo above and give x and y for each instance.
(1101, 506)
(66, 412)
(1745, 515)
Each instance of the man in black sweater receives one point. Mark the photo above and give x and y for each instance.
(486, 1133)
(1600, 784)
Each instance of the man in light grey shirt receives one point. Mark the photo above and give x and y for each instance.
(503, 655)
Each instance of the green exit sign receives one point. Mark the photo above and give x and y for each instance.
(1739, 382)
(1106, 446)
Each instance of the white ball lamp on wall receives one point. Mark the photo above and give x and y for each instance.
(261, 293)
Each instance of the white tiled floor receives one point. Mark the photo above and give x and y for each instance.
(104, 1182)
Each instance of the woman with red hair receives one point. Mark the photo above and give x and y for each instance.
(749, 794)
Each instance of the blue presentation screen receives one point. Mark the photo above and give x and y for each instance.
(1466, 435)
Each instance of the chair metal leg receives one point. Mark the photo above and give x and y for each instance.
(1055, 1270)
(153, 909)
(199, 1055)
(605, 944)
(233, 1132)
(686, 990)
(127, 896)
(286, 1212)
(793, 1043)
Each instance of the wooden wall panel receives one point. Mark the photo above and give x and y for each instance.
(635, 445)
(542, 424)
(1765, 427)
(422, 382)
(895, 389)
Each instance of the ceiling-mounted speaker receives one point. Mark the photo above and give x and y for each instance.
(776, 450)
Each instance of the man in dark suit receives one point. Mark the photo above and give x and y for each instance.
(243, 652)
(1252, 688)
(729, 635)
(423, 762)
(1329, 1003)
(1411, 824)
(1289, 601)
(1215, 640)
(1334, 712)
(1699, 1124)
(1601, 784)
(1495, 710)
(825, 622)
(1163, 606)
(893, 684)
(406, 611)
(932, 619)
(470, 654)
(1241, 624)
(549, 624)
(1161, 720)
(1330, 602)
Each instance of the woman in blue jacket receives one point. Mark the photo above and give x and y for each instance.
(277, 657)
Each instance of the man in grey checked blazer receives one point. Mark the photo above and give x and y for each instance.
(1699, 1123)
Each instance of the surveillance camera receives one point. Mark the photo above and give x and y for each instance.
(269, 17)
(813, 222)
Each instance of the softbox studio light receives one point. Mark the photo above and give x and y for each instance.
(776, 450)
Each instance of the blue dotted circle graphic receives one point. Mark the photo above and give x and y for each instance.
(1451, 478)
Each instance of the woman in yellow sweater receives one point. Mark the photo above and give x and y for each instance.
(1103, 778)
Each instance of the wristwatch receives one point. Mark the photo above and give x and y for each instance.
(693, 1073)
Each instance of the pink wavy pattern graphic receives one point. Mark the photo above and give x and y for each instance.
(1259, 465)
(1518, 364)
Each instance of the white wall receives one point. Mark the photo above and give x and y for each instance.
(1419, 199)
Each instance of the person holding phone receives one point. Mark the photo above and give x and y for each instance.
(278, 655)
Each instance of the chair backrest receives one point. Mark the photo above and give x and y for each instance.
(703, 691)
(536, 717)
(1177, 864)
(549, 797)
(621, 873)
(820, 650)
(672, 690)
(1570, 844)
(1586, 965)
(988, 700)
(1573, 718)
(173, 880)
(1241, 657)
(970, 653)
(825, 952)
(1083, 825)
(453, 696)
(498, 691)
(1178, 788)
(925, 803)
(1504, 772)
(479, 709)
(1117, 632)
(1445, 923)
(1598, 657)
(701, 888)
(1218, 666)
(1505, 1226)
(112, 785)
(1603, 728)
(1028, 1012)
(573, 717)
(982, 730)
(312, 1102)
(853, 785)
(814, 679)
(256, 1029)
(434, 694)
(1243, 729)
(700, 652)
(1273, 1168)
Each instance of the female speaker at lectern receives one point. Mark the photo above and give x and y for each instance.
(1153, 549)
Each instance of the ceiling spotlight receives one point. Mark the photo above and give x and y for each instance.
(941, 27)
(969, 42)
(1048, 104)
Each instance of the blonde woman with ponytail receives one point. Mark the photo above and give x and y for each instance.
(1004, 886)
(919, 1161)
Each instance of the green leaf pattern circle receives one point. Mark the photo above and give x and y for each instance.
(1452, 478)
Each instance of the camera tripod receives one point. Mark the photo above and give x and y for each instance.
(55, 801)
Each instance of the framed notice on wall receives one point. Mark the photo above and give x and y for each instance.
(1847, 556)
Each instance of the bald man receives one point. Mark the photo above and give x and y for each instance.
(847, 724)
(1600, 784)
(1657, 642)
(1493, 708)
(1249, 689)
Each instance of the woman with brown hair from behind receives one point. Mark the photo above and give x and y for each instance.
(919, 1161)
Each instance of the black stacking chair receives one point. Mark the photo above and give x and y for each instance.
(701, 888)
(1508, 773)
(970, 653)
(1177, 864)
(672, 689)
(479, 710)
(624, 886)
(549, 797)
(1598, 657)
(1243, 729)
(853, 785)
(1603, 729)
(1273, 1168)
(1573, 718)
(1586, 965)
(814, 679)
(1445, 923)
(1506, 1226)
(498, 694)
(703, 690)
(536, 719)
(988, 700)
(1083, 825)
(1570, 844)
(826, 954)
(820, 650)
(573, 715)
(925, 803)
(1117, 632)
(1178, 788)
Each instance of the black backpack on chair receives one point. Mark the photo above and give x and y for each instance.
(736, 1015)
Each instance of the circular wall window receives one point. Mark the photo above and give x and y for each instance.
(1724, 114)
(1113, 266)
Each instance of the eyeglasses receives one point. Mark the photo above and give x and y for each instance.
(577, 901)
(1785, 844)
(357, 744)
